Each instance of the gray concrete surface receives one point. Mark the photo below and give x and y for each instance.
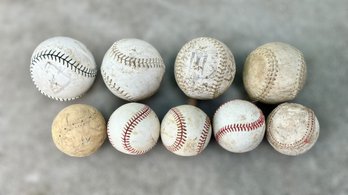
(31, 165)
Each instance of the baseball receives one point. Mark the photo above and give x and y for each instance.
(62, 68)
(292, 129)
(204, 68)
(239, 126)
(274, 73)
(79, 130)
(185, 130)
(132, 69)
(133, 129)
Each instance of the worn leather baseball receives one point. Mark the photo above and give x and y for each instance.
(239, 126)
(274, 73)
(79, 130)
(62, 68)
(132, 69)
(292, 129)
(204, 68)
(185, 130)
(133, 129)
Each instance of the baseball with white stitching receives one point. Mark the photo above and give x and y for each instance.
(239, 126)
(132, 69)
(62, 68)
(133, 129)
(292, 129)
(79, 130)
(274, 72)
(204, 68)
(186, 130)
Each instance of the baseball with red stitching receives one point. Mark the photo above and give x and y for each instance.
(132, 69)
(239, 126)
(204, 68)
(292, 129)
(62, 68)
(133, 129)
(186, 130)
(274, 72)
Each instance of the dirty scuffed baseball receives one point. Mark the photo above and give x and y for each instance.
(204, 68)
(274, 73)
(132, 69)
(79, 130)
(186, 130)
(62, 68)
(292, 129)
(133, 129)
(239, 126)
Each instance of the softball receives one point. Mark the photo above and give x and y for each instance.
(274, 73)
(204, 68)
(132, 69)
(62, 68)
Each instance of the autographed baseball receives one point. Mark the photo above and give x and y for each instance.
(133, 129)
(274, 73)
(292, 129)
(239, 126)
(79, 130)
(185, 130)
(204, 68)
(132, 69)
(62, 68)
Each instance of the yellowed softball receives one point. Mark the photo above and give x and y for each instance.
(79, 130)
(274, 72)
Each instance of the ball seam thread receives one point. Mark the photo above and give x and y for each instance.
(181, 133)
(204, 135)
(272, 70)
(110, 83)
(238, 127)
(130, 126)
(65, 59)
(135, 62)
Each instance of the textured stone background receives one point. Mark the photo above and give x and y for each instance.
(31, 165)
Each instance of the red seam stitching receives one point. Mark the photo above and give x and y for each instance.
(204, 135)
(181, 134)
(240, 127)
(109, 136)
(129, 127)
